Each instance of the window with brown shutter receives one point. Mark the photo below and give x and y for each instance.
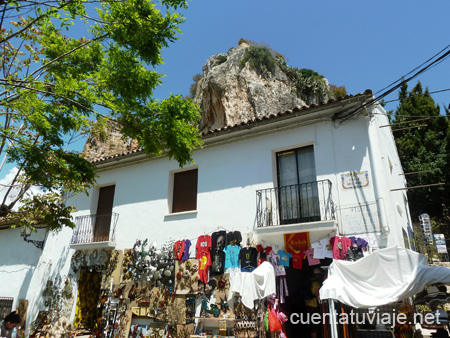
(185, 191)
(104, 213)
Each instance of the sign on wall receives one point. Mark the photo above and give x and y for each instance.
(355, 179)
(359, 218)
(297, 242)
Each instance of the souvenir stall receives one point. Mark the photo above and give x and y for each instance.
(301, 261)
(390, 281)
(226, 286)
(217, 284)
(87, 288)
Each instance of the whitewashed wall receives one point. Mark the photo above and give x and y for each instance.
(230, 174)
(228, 177)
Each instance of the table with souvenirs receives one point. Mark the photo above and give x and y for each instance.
(217, 284)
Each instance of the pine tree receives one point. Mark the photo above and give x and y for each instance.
(424, 149)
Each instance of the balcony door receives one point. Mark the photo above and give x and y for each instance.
(297, 182)
(104, 212)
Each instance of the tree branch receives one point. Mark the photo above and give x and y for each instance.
(32, 22)
(67, 53)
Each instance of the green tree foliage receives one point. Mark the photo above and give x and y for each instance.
(56, 85)
(423, 149)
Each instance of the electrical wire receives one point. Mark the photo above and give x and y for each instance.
(413, 69)
(422, 94)
(389, 91)
(413, 116)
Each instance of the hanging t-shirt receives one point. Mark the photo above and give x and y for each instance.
(361, 242)
(187, 245)
(248, 257)
(218, 263)
(284, 258)
(311, 260)
(232, 256)
(340, 246)
(203, 268)
(204, 247)
(322, 249)
(234, 238)
(297, 260)
(218, 240)
(274, 258)
(178, 250)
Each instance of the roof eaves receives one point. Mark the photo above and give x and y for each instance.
(246, 124)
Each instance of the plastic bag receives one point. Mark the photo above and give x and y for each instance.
(274, 323)
(266, 321)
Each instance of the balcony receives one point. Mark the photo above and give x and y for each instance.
(94, 230)
(294, 204)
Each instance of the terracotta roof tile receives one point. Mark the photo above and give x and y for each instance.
(367, 92)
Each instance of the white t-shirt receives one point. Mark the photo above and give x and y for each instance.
(322, 249)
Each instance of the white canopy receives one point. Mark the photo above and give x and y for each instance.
(385, 276)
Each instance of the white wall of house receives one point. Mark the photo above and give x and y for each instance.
(229, 174)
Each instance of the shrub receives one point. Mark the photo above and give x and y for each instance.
(260, 59)
(338, 92)
(221, 59)
(306, 83)
(193, 87)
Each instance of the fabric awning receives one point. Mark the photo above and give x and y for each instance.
(383, 277)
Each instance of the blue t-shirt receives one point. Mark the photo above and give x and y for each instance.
(232, 256)
(284, 258)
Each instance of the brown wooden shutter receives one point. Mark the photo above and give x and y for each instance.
(185, 191)
(104, 212)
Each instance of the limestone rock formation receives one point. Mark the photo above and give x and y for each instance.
(113, 143)
(229, 94)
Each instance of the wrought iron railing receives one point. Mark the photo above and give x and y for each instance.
(298, 203)
(95, 228)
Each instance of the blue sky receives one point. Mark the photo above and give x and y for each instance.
(358, 44)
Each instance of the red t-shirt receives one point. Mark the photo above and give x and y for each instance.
(203, 269)
(297, 260)
(204, 247)
(178, 249)
(340, 246)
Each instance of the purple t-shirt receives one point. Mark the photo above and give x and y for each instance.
(187, 245)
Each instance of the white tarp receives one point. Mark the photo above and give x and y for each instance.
(258, 284)
(385, 276)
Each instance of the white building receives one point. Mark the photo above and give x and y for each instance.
(326, 169)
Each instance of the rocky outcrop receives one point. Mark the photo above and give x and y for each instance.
(110, 143)
(229, 93)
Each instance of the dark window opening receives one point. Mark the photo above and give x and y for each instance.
(185, 191)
